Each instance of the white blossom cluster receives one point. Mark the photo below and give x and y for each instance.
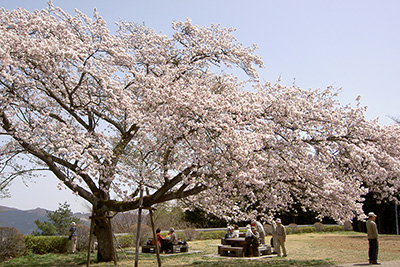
(106, 113)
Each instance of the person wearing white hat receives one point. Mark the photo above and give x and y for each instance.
(281, 238)
(173, 240)
(372, 233)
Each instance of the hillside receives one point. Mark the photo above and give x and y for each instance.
(24, 220)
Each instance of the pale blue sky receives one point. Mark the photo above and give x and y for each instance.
(350, 44)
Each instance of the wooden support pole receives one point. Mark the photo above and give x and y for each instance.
(138, 227)
(397, 218)
(90, 239)
(156, 248)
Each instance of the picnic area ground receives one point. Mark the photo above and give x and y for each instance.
(311, 249)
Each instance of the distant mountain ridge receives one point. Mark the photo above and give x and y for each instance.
(24, 220)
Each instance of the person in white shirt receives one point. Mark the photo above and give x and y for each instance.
(235, 232)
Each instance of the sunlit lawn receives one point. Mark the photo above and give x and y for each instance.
(314, 249)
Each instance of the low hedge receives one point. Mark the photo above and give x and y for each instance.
(289, 230)
(334, 228)
(46, 244)
(211, 235)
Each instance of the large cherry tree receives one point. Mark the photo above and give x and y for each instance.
(109, 113)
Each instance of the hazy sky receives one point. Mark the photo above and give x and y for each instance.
(353, 45)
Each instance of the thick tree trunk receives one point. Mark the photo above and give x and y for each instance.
(103, 232)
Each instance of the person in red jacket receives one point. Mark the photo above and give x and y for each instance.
(159, 238)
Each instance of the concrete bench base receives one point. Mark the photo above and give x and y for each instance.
(226, 250)
(175, 248)
(230, 251)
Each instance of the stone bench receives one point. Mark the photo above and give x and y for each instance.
(265, 250)
(226, 250)
(180, 248)
(175, 248)
(230, 251)
(148, 249)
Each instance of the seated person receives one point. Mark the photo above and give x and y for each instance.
(252, 243)
(249, 233)
(159, 238)
(173, 240)
(236, 232)
(229, 232)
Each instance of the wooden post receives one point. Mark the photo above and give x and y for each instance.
(138, 227)
(156, 248)
(90, 238)
(397, 218)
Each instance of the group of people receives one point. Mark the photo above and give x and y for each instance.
(255, 236)
(232, 231)
(172, 239)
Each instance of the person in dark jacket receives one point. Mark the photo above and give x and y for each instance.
(73, 237)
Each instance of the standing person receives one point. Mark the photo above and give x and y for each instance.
(173, 240)
(372, 232)
(260, 230)
(274, 237)
(73, 237)
(281, 236)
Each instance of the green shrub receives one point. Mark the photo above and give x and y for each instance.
(308, 229)
(46, 244)
(348, 226)
(191, 234)
(289, 231)
(12, 243)
(319, 227)
(145, 233)
(294, 229)
(82, 232)
(334, 228)
(211, 235)
(125, 241)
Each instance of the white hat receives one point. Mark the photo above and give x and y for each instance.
(371, 214)
(278, 221)
(171, 229)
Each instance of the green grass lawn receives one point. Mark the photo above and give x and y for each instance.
(312, 249)
(50, 260)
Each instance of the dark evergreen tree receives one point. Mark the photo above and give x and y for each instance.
(59, 222)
